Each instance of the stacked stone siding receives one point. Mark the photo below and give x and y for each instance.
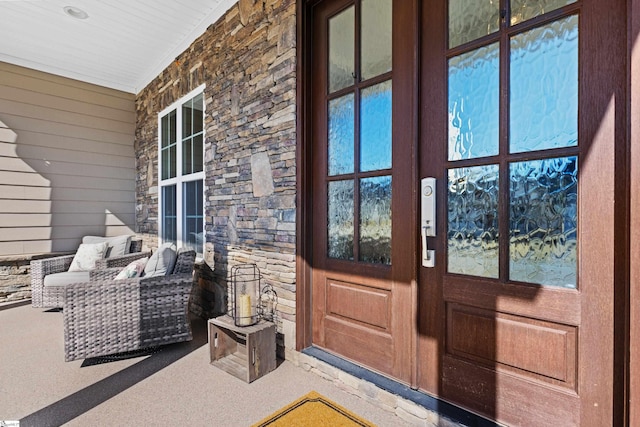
(15, 279)
(247, 62)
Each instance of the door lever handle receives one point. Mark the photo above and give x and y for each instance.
(428, 256)
(428, 219)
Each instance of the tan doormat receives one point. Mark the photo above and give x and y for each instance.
(313, 410)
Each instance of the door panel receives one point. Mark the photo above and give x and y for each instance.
(473, 333)
(508, 146)
(508, 398)
(363, 244)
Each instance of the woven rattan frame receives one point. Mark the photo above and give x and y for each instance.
(108, 316)
(52, 296)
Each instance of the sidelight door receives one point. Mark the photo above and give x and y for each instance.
(363, 243)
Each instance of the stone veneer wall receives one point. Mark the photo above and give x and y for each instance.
(15, 278)
(247, 60)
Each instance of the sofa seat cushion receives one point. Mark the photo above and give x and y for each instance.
(65, 278)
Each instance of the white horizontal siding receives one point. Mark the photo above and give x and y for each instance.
(67, 162)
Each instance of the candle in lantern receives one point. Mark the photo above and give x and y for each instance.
(244, 309)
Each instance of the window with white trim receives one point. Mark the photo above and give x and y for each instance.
(181, 172)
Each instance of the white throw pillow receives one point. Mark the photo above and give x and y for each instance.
(117, 246)
(87, 255)
(134, 269)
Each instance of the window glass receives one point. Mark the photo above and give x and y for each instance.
(376, 37)
(342, 49)
(359, 140)
(341, 135)
(169, 214)
(474, 96)
(543, 225)
(182, 174)
(472, 232)
(544, 87)
(472, 19)
(375, 127)
(192, 135)
(375, 220)
(340, 228)
(521, 10)
(168, 145)
(193, 215)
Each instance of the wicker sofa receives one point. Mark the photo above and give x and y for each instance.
(52, 296)
(107, 316)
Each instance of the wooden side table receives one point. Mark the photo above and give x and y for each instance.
(246, 352)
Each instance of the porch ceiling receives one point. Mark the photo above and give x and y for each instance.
(123, 44)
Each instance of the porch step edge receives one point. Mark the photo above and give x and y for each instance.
(417, 406)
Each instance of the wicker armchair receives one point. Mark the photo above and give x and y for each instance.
(109, 316)
(52, 296)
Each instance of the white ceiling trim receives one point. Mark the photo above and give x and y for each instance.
(124, 44)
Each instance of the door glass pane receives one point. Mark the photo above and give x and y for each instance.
(376, 37)
(341, 135)
(375, 220)
(472, 231)
(169, 229)
(340, 229)
(375, 127)
(193, 228)
(342, 49)
(474, 94)
(472, 19)
(543, 221)
(521, 10)
(544, 87)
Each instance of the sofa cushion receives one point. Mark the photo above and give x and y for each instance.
(66, 277)
(87, 255)
(134, 269)
(116, 246)
(162, 261)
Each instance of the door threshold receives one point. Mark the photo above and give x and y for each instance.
(440, 407)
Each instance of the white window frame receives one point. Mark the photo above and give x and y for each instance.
(179, 180)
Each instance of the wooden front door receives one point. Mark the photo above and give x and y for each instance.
(363, 128)
(512, 107)
(518, 131)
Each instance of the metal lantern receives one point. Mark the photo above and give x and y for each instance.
(245, 280)
(268, 302)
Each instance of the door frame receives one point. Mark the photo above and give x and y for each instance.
(632, 311)
(621, 371)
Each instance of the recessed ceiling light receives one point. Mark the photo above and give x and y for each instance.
(75, 12)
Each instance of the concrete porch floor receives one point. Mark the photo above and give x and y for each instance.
(175, 386)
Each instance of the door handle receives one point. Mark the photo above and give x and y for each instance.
(428, 219)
